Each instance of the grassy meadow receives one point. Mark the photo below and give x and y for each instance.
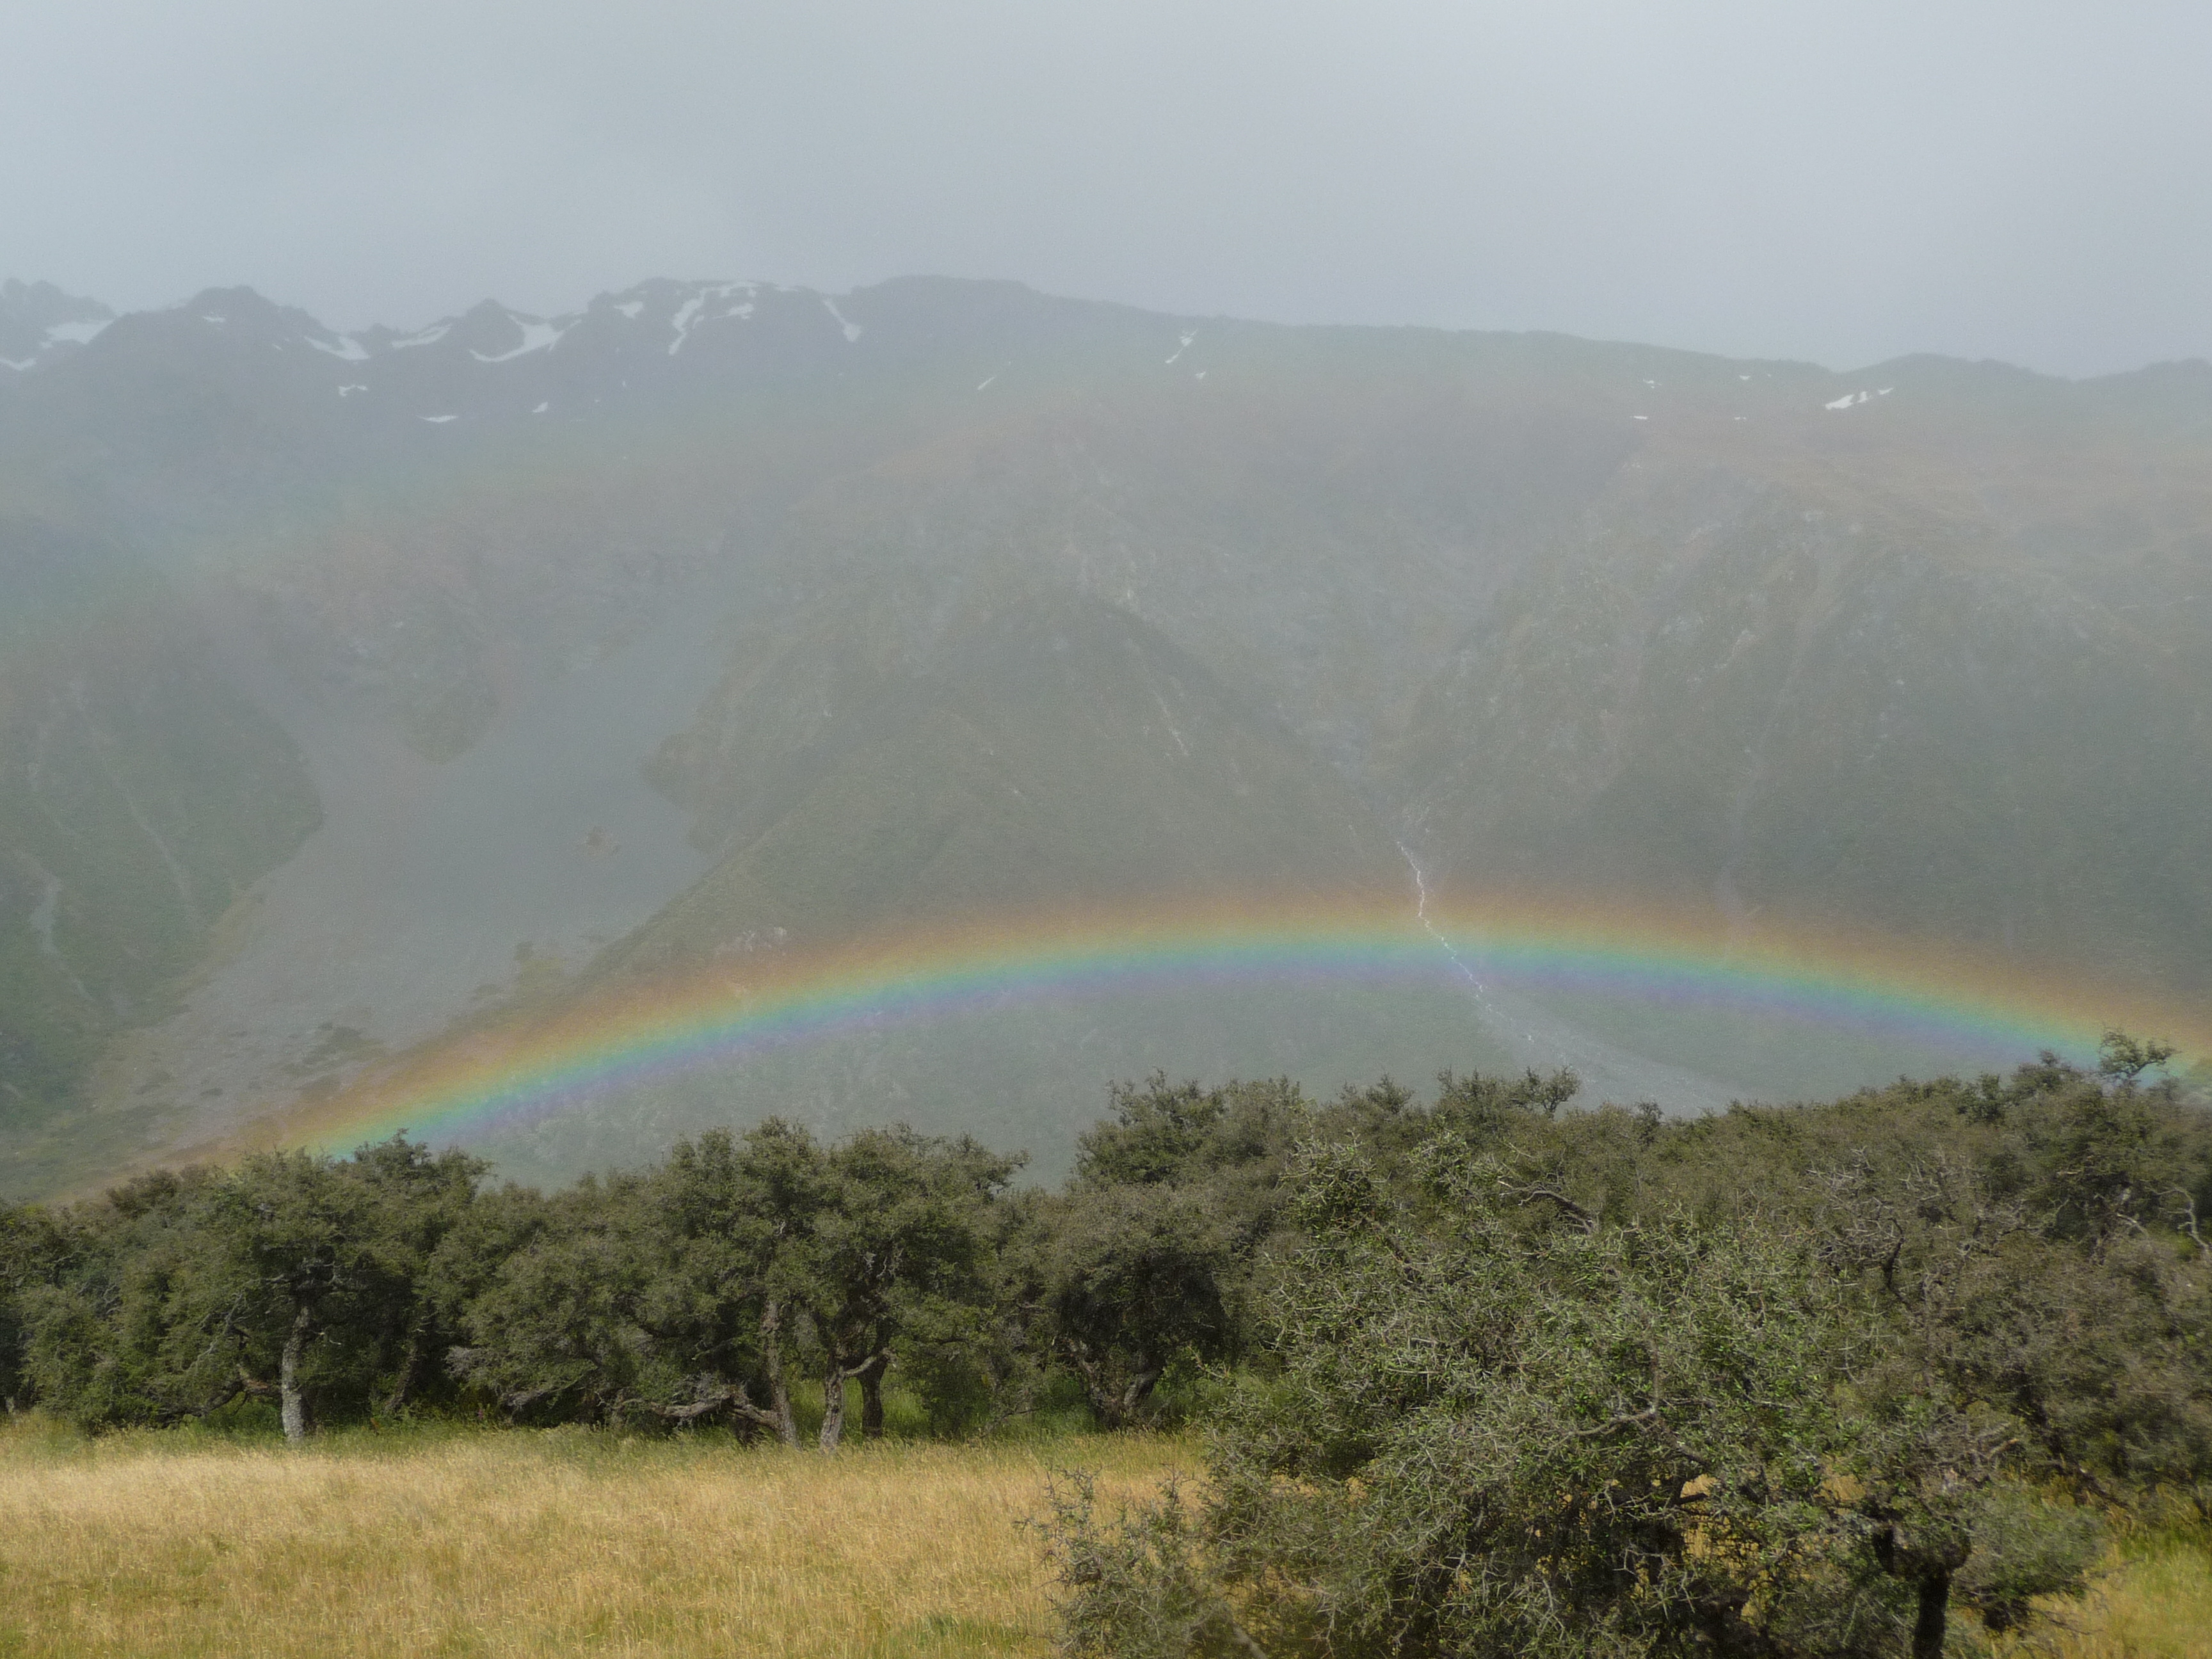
(465, 1542)
(533, 1542)
(2156, 1601)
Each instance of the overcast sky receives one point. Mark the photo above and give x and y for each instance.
(1841, 181)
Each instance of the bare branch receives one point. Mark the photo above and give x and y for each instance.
(1574, 1211)
(1649, 1414)
(2188, 1213)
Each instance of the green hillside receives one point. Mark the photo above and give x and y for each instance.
(1910, 689)
(893, 757)
(142, 795)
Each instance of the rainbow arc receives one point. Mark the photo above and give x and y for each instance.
(501, 1076)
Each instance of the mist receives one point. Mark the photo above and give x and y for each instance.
(1843, 185)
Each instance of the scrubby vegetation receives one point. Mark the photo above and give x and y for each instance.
(1481, 1373)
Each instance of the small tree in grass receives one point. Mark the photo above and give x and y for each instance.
(896, 1250)
(666, 1299)
(1127, 1280)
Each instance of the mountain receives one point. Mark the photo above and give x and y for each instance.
(38, 323)
(882, 763)
(1940, 667)
(355, 686)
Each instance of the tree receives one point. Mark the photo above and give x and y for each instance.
(687, 1294)
(2011, 1343)
(898, 1246)
(416, 1199)
(2124, 1059)
(669, 1298)
(32, 1252)
(291, 1277)
(1127, 1280)
(293, 1248)
(553, 1330)
(741, 1215)
(96, 1304)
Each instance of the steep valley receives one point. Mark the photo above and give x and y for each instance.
(360, 692)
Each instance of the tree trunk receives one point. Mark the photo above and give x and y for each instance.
(410, 1362)
(1114, 1407)
(1139, 1391)
(1934, 1612)
(833, 1404)
(1105, 1406)
(1117, 1411)
(1927, 1564)
(291, 1404)
(872, 1397)
(787, 1424)
(779, 1393)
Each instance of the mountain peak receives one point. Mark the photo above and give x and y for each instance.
(41, 304)
(39, 321)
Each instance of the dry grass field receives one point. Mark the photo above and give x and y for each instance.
(2157, 1604)
(477, 1543)
(482, 1543)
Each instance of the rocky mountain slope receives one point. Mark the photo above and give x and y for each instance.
(353, 682)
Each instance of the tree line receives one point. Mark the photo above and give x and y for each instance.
(709, 1288)
(1482, 1370)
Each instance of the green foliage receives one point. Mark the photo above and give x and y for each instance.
(1793, 1382)
(1513, 1431)
(1136, 1587)
(290, 1277)
(897, 1253)
(2027, 1545)
(559, 1331)
(690, 1293)
(1125, 1280)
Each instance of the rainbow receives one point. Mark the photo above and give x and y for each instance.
(503, 1074)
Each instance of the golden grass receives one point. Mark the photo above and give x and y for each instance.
(487, 1543)
(527, 1543)
(2156, 1603)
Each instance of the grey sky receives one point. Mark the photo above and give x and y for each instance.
(1839, 181)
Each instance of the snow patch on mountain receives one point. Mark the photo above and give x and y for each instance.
(537, 336)
(688, 314)
(852, 329)
(38, 323)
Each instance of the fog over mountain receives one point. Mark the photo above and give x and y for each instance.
(1841, 184)
(354, 683)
